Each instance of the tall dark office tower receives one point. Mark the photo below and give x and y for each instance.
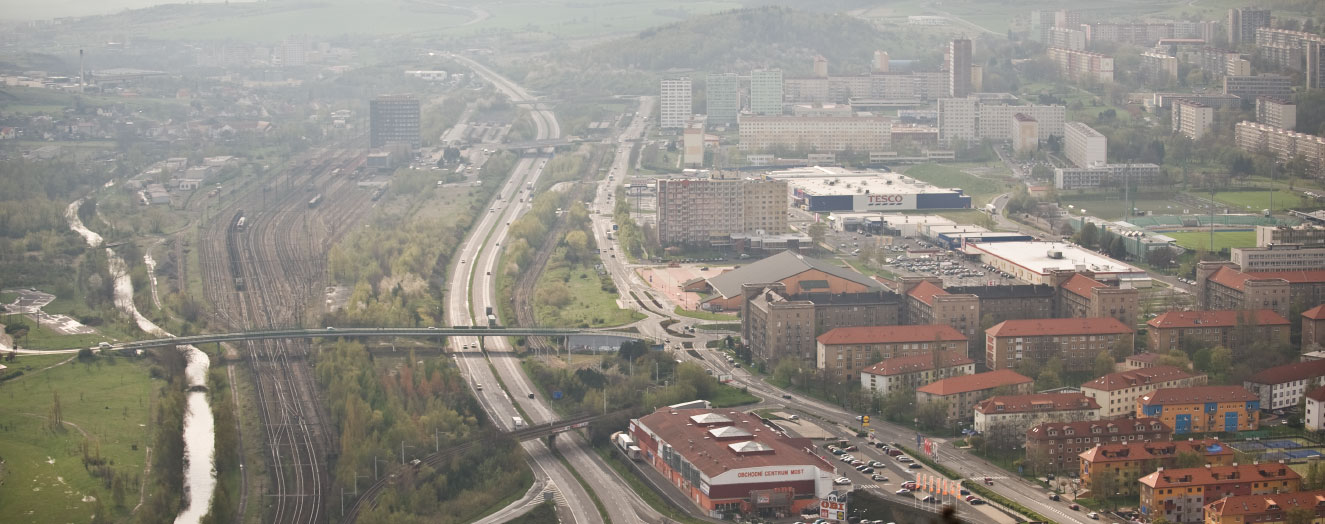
(1242, 24)
(393, 119)
(959, 68)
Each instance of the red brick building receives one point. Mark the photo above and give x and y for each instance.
(1060, 443)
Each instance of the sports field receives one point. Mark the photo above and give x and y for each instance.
(1200, 240)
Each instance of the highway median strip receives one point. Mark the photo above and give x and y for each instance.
(602, 509)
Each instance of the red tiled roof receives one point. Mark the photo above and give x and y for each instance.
(1317, 394)
(1082, 284)
(1220, 318)
(1203, 476)
(891, 334)
(976, 382)
(914, 363)
(1137, 450)
(1229, 277)
(1199, 394)
(1087, 427)
(1249, 507)
(715, 456)
(1036, 402)
(1315, 313)
(1290, 372)
(1232, 278)
(1136, 377)
(925, 292)
(1058, 326)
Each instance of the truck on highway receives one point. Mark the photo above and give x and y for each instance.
(519, 422)
(991, 209)
(492, 320)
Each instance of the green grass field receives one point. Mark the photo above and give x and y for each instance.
(705, 315)
(947, 176)
(44, 479)
(589, 305)
(1255, 201)
(1115, 208)
(1223, 239)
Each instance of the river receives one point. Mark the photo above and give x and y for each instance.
(199, 425)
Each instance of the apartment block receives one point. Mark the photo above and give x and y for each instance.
(911, 372)
(393, 119)
(1272, 508)
(821, 133)
(958, 65)
(1116, 393)
(1105, 175)
(1025, 133)
(1215, 100)
(779, 324)
(1305, 235)
(1075, 341)
(675, 103)
(1058, 444)
(1202, 409)
(1284, 48)
(1243, 22)
(1276, 112)
(1313, 415)
(1279, 257)
(843, 352)
(722, 98)
(1232, 329)
(958, 118)
(1130, 461)
(1285, 144)
(1139, 34)
(996, 123)
(1080, 296)
(702, 212)
(1216, 62)
(961, 393)
(1251, 87)
(1282, 387)
(1314, 70)
(1043, 21)
(1313, 329)
(1084, 146)
(1066, 38)
(1158, 69)
(1018, 413)
(1219, 285)
(1192, 119)
(1080, 65)
(1181, 495)
(766, 92)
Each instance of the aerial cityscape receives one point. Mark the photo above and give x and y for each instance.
(412, 261)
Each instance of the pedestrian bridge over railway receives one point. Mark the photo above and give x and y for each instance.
(336, 332)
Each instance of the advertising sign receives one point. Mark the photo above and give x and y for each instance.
(833, 509)
(769, 474)
(884, 202)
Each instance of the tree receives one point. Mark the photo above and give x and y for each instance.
(818, 232)
(933, 414)
(1175, 358)
(1103, 364)
(1300, 515)
(1089, 234)
(1189, 459)
(1104, 485)
(1122, 348)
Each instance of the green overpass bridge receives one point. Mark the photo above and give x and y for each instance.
(335, 332)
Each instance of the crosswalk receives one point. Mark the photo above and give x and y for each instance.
(869, 486)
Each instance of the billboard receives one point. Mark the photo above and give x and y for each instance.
(883, 202)
(767, 474)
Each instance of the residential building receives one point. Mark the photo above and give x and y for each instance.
(1058, 444)
(1158, 69)
(705, 212)
(1215, 100)
(1082, 65)
(727, 461)
(1313, 329)
(1117, 392)
(1279, 257)
(1282, 387)
(393, 119)
(1083, 146)
(1284, 48)
(1219, 285)
(1130, 461)
(692, 145)
(845, 351)
(1140, 34)
(961, 393)
(995, 120)
(1305, 235)
(1252, 86)
(1066, 38)
(910, 372)
(1025, 133)
(1017, 413)
(1314, 71)
(958, 65)
(1075, 341)
(1142, 360)
(1080, 296)
(1180, 495)
(722, 98)
(861, 132)
(1233, 329)
(777, 324)
(1043, 21)
(1192, 119)
(1285, 144)
(766, 92)
(1106, 175)
(1243, 23)
(1202, 409)
(1276, 112)
(675, 103)
(1271, 508)
(957, 118)
(1313, 415)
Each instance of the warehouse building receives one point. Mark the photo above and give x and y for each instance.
(835, 189)
(1035, 262)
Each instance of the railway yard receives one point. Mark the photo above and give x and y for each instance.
(263, 261)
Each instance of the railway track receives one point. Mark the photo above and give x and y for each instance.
(261, 276)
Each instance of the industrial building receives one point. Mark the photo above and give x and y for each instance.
(1035, 262)
(834, 189)
(728, 461)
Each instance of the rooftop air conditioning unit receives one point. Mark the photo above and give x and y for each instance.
(1055, 254)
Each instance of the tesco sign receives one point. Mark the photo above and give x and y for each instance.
(877, 202)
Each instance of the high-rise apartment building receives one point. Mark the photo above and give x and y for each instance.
(1084, 146)
(1158, 69)
(1243, 22)
(959, 68)
(1285, 144)
(957, 118)
(880, 63)
(1277, 112)
(820, 133)
(722, 99)
(393, 119)
(674, 109)
(702, 212)
(1250, 87)
(969, 119)
(1315, 65)
(766, 92)
(1192, 119)
(1074, 39)
(1076, 65)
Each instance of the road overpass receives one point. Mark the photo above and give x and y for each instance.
(337, 332)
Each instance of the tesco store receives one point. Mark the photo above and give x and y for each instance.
(726, 461)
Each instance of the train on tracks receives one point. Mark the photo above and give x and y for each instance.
(238, 224)
(315, 201)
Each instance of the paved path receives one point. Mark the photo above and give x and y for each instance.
(30, 301)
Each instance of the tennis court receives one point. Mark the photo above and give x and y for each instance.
(1287, 449)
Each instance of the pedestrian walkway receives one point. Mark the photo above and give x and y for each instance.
(30, 302)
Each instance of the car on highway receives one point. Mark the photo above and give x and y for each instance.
(904, 459)
(916, 466)
(903, 491)
(478, 387)
(977, 501)
(1093, 516)
(876, 464)
(878, 477)
(531, 395)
